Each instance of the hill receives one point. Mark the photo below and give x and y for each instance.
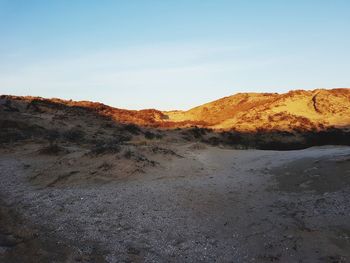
(309, 110)
(293, 120)
(319, 109)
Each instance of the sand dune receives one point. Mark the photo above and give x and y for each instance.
(252, 111)
(307, 110)
(85, 182)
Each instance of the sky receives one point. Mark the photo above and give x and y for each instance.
(171, 54)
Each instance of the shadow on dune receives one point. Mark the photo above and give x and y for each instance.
(24, 118)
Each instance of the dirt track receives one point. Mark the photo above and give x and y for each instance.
(212, 205)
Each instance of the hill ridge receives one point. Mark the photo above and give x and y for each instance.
(297, 109)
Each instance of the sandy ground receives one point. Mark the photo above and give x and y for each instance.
(212, 205)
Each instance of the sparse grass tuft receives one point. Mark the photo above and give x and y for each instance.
(74, 135)
(52, 149)
(128, 154)
(106, 148)
(132, 128)
(149, 135)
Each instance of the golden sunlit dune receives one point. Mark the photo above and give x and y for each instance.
(315, 109)
(246, 112)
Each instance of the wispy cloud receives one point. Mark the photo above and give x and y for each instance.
(137, 77)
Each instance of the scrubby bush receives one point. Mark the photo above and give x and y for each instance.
(213, 141)
(160, 150)
(194, 132)
(74, 135)
(128, 154)
(9, 136)
(108, 125)
(111, 147)
(12, 131)
(52, 136)
(122, 138)
(52, 149)
(197, 132)
(231, 138)
(9, 107)
(105, 166)
(149, 135)
(159, 136)
(132, 128)
(331, 136)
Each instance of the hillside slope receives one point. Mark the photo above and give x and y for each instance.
(299, 109)
(245, 112)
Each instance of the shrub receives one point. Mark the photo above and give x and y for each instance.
(149, 135)
(213, 141)
(121, 138)
(74, 135)
(159, 136)
(128, 154)
(160, 150)
(105, 148)
(52, 149)
(52, 136)
(9, 136)
(12, 131)
(105, 166)
(132, 128)
(232, 138)
(108, 125)
(331, 136)
(197, 132)
(8, 106)
(194, 132)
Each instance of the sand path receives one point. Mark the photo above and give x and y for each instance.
(212, 205)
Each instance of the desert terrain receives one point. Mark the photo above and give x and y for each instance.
(247, 178)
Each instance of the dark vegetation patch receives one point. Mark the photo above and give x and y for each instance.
(61, 178)
(151, 135)
(106, 147)
(108, 125)
(194, 133)
(74, 135)
(41, 106)
(197, 132)
(330, 136)
(302, 140)
(138, 157)
(163, 151)
(316, 175)
(105, 166)
(215, 141)
(39, 119)
(132, 128)
(128, 154)
(52, 136)
(13, 131)
(121, 137)
(52, 149)
(268, 140)
(7, 105)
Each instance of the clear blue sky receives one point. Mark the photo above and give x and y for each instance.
(171, 54)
